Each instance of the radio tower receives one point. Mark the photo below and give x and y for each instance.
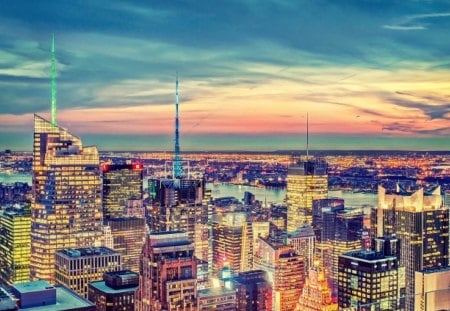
(177, 162)
(53, 83)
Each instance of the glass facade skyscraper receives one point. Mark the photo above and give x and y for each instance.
(66, 208)
(306, 181)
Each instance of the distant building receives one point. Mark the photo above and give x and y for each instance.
(66, 209)
(76, 268)
(249, 198)
(121, 182)
(168, 271)
(372, 279)
(424, 245)
(172, 192)
(42, 296)
(253, 291)
(127, 237)
(306, 181)
(116, 292)
(15, 238)
(285, 271)
(432, 290)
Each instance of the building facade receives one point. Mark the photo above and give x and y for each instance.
(15, 226)
(116, 292)
(168, 271)
(421, 222)
(77, 267)
(306, 181)
(66, 208)
(121, 182)
(253, 291)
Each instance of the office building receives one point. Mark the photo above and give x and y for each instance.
(121, 182)
(253, 291)
(420, 221)
(116, 292)
(303, 241)
(372, 279)
(285, 272)
(168, 271)
(432, 290)
(15, 226)
(321, 206)
(42, 296)
(341, 234)
(221, 296)
(227, 241)
(306, 181)
(127, 238)
(316, 294)
(66, 208)
(77, 267)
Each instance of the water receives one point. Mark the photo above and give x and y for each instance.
(10, 178)
(275, 195)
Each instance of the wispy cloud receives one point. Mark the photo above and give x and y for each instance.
(415, 21)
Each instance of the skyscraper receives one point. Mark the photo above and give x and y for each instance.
(253, 291)
(15, 226)
(306, 181)
(285, 271)
(75, 268)
(168, 271)
(372, 279)
(421, 223)
(227, 241)
(66, 207)
(121, 182)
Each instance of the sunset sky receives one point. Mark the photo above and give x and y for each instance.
(370, 74)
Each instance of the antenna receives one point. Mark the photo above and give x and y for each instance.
(53, 84)
(307, 136)
(177, 167)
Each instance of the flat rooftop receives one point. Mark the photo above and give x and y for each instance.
(34, 286)
(86, 251)
(101, 286)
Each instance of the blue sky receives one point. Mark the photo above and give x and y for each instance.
(371, 74)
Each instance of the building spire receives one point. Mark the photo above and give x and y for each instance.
(177, 165)
(53, 82)
(307, 136)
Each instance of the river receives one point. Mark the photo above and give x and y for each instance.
(275, 195)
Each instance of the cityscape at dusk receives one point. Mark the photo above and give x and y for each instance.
(225, 155)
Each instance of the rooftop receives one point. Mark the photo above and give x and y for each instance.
(215, 292)
(33, 286)
(101, 286)
(65, 300)
(86, 251)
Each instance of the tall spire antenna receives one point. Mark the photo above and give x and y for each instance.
(307, 135)
(177, 167)
(53, 82)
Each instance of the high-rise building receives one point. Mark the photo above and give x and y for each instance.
(227, 241)
(15, 226)
(306, 181)
(316, 294)
(66, 208)
(116, 292)
(421, 223)
(341, 234)
(75, 268)
(127, 238)
(121, 182)
(432, 289)
(168, 271)
(285, 271)
(253, 291)
(321, 206)
(303, 241)
(221, 297)
(372, 279)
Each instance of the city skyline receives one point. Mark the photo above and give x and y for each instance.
(370, 75)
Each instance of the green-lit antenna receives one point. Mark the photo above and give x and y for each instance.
(53, 82)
